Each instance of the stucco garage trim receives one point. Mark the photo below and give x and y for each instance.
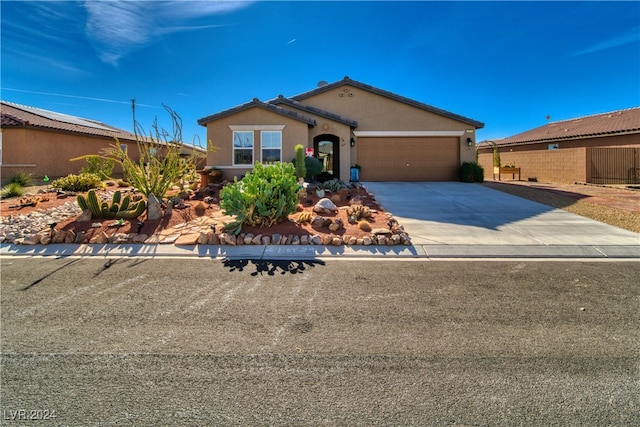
(256, 127)
(406, 133)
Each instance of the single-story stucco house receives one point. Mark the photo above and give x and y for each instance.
(598, 149)
(391, 138)
(41, 142)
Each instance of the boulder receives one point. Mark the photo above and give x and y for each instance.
(58, 236)
(85, 216)
(70, 237)
(315, 240)
(154, 208)
(320, 221)
(336, 224)
(383, 231)
(80, 237)
(325, 206)
(31, 239)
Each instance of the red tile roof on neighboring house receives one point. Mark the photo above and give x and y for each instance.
(256, 103)
(16, 115)
(390, 95)
(605, 124)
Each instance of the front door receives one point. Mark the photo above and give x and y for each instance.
(327, 150)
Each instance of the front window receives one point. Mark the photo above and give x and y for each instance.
(271, 146)
(243, 147)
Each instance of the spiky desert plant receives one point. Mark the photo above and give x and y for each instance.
(301, 168)
(161, 163)
(118, 208)
(264, 197)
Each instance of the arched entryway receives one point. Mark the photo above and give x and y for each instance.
(326, 148)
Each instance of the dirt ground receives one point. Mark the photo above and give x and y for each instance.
(142, 225)
(582, 200)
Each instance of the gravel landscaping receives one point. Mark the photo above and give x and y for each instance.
(618, 217)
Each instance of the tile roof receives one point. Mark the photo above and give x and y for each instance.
(390, 95)
(314, 110)
(613, 123)
(259, 104)
(17, 115)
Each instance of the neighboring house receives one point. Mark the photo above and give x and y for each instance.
(599, 149)
(392, 138)
(41, 142)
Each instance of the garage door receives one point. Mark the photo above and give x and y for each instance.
(408, 158)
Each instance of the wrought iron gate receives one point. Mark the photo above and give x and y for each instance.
(615, 165)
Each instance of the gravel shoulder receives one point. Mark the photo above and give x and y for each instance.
(617, 217)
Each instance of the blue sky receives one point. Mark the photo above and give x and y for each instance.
(508, 64)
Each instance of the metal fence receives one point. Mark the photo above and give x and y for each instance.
(615, 165)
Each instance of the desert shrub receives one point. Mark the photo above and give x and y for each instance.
(471, 172)
(74, 183)
(23, 179)
(101, 167)
(314, 167)
(161, 164)
(13, 189)
(265, 196)
(332, 185)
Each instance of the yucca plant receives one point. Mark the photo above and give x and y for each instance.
(23, 179)
(13, 189)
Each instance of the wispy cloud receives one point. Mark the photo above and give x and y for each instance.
(87, 98)
(631, 36)
(117, 28)
(42, 34)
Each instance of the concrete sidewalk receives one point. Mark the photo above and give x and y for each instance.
(273, 252)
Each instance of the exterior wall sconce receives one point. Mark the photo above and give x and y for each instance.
(469, 142)
(353, 142)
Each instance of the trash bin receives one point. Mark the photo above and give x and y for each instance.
(355, 174)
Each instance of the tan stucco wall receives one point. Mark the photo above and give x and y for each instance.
(559, 166)
(47, 153)
(567, 164)
(374, 112)
(220, 135)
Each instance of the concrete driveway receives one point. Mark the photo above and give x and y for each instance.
(490, 221)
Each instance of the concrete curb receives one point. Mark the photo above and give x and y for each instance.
(278, 252)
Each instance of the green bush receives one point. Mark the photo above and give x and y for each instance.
(314, 167)
(103, 168)
(74, 183)
(13, 189)
(265, 196)
(23, 179)
(471, 172)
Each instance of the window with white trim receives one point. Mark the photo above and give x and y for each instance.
(271, 145)
(243, 147)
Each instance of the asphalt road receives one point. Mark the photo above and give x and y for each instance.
(339, 343)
